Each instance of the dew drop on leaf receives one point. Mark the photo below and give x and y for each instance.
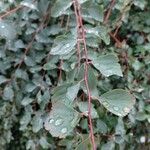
(3, 27)
(126, 109)
(64, 130)
(116, 108)
(67, 45)
(51, 120)
(58, 122)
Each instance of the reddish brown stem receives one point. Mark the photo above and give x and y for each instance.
(81, 33)
(119, 44)
(10, 12)
(109, 11)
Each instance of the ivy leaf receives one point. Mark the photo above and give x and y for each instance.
(83, 107)
(63, 45)
(72, 91)
(24, 121)
(107, 64)
(3, 79)
(29, 4)
(61, 120)
(92, 81)
(92, 11)
(66, 93)
(26, 101)
(7, 30)
(8, 93)
(37, 123)
(44, 143)
(117, 101)
(60, 7)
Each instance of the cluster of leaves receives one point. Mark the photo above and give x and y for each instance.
(42, 91)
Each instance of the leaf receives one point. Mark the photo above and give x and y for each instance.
(72, 91)
(110, 145)
(37, 123)
(117, 101)
(91, 10)
(3, 79)
(44, 143)
(29, 4)
(60, 7)
(30, 87)
(30, 145)
(8, 93)
(26, 101)
(141, 116)
(61, 120)
(24, 121)
(63, 45)
(101, 126)
(92, 81)
(66, 92)
(99, 32)
(7, 30)
(83, 107)
(107, 64)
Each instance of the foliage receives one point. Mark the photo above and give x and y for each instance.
(43, 96)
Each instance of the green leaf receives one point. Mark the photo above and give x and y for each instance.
(24, 121)
(99, 32)
(7, 30)
(60, 7)
(72, 91)
(61, 120)
(141, 116)
(107, 64)
(29, 4)
(3, 79)
(8, 93)
(37, 123)
(30, 87)
(92, 10)
(110, 145)
(83, 107)
(26, 101)
(44, 143)
(66, 92)
(92, 81)
(63, 45)
(101, 126)
(117, 101)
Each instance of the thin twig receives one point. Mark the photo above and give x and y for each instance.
(109, 11)
(118, 43)
(10, 12)
(81, 32)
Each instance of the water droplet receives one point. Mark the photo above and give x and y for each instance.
(116, 108)
(119, 114)
(2, 26)
(126, 109)
(64, 130)
(58, 122)
(67, 45)
(51, 120)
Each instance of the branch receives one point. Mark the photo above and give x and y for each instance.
(109, 11)
(10, 12)
(81, 32)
